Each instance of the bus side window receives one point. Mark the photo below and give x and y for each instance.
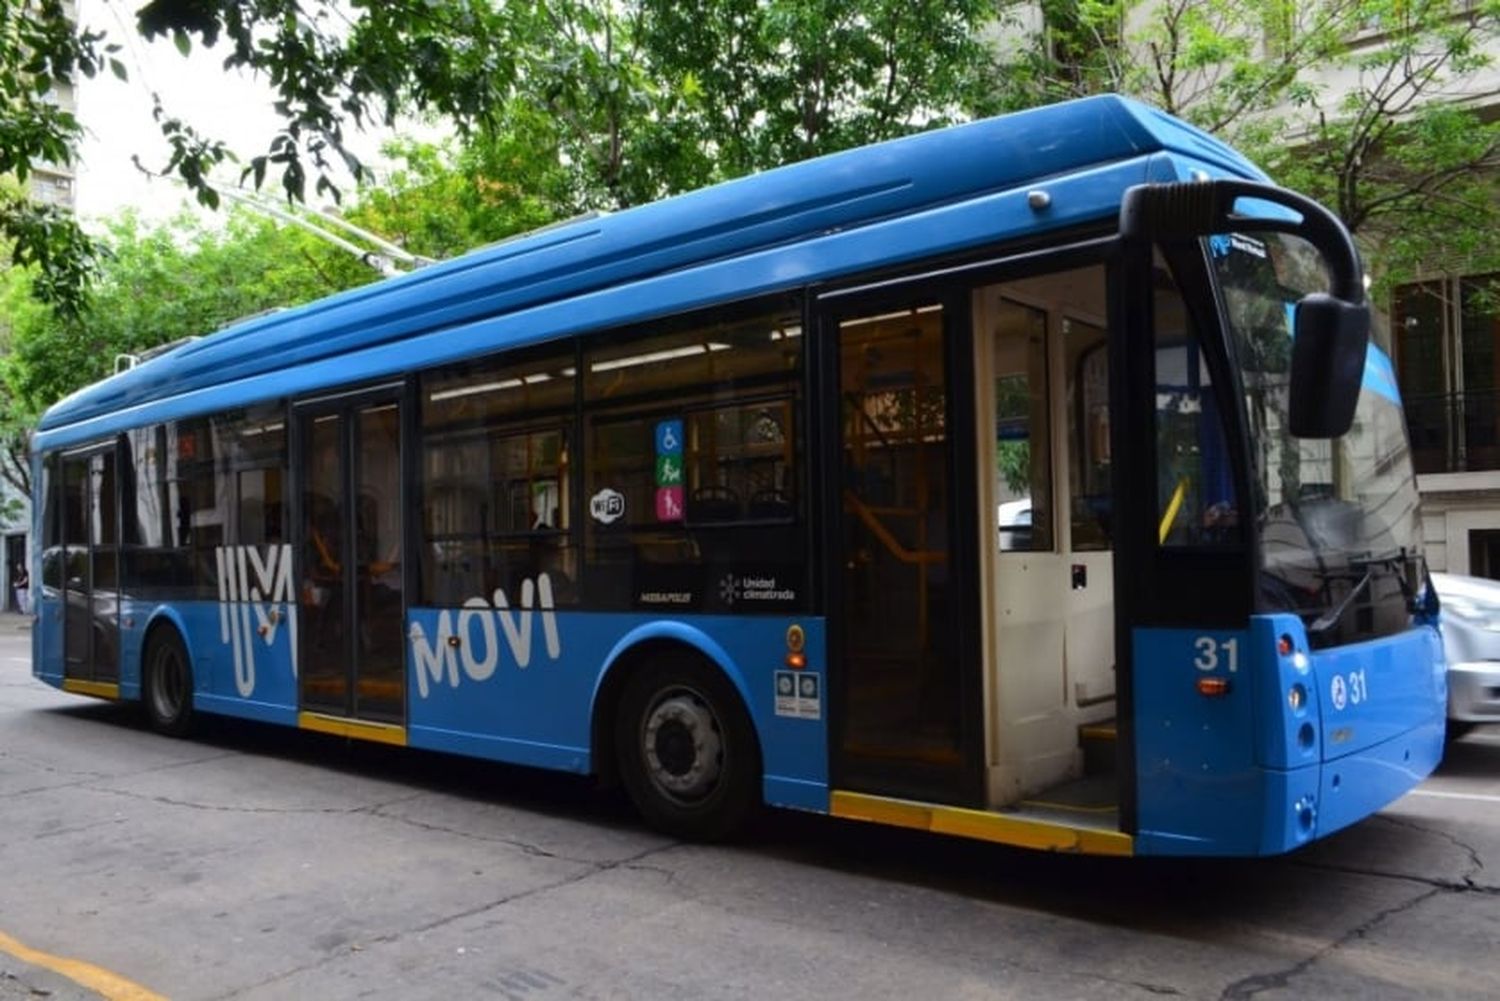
(691, 480)
(1196, 502)
(496, 478)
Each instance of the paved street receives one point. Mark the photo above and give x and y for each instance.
(252, 862)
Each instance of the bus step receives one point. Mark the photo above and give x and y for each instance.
(1098, 743)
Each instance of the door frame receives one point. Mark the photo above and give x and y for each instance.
(952, 286)
(85, 454)
(963, 786)
(346, 404)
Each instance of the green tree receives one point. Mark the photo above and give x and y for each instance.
(1352, 101)
(605, 103)
(155, 285)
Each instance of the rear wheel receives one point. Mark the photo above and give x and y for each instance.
(686, 749)
(168, 684)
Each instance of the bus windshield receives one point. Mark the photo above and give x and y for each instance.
(1338, 519)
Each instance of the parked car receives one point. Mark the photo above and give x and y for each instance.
(1470, 624)
(1015, 524)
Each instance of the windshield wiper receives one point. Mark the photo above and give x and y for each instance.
(1395, 562)
(1332, 616)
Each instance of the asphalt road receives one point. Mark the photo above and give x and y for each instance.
(254, 862)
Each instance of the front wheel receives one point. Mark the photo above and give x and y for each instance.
(687, 751)
(168, 684)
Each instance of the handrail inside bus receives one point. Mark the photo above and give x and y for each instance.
(890, 542)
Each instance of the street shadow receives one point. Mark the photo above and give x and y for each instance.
(1192, 899)
(1476, 754)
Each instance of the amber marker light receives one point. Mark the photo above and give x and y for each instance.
(1211, 687)
(1284, 645)
(796, 640)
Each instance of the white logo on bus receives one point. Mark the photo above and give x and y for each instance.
(607, 506)
(254, 585)
(479, 625)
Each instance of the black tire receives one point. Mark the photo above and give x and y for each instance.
(167, 684)
(686, 749)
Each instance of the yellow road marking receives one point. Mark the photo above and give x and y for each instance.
(111, 986)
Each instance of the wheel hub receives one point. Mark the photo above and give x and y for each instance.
(684, 752)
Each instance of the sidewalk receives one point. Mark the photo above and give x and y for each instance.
(15, 620)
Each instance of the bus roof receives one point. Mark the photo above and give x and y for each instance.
(838, 192)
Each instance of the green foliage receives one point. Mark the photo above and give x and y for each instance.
(1013, 460)
(155, 286)
(38, 50)
(1351, 101)
(571, 104)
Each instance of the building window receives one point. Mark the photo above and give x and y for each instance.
(1449, 371)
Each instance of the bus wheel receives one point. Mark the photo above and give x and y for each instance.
(687, 750)
(168, 684)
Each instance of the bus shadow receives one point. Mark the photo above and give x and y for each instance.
(551, 793)
(1191, 899)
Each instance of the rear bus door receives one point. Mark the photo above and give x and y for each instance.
(349, 476)
(90, 561)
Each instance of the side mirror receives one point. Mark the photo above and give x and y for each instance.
(1332, 330)
(1328, 366)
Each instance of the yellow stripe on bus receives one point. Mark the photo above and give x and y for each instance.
(98, 689)
(359, 729)
(110, 986)
(1024, 832)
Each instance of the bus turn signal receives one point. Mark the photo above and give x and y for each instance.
(1211, 687)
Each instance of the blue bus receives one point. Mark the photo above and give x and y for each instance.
(1034, 480)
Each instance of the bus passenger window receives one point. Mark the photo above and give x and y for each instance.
(691, 483)
(496, 478)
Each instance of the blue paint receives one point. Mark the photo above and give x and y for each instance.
(1252, 773)
(1380, 375)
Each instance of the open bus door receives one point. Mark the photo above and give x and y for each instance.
(996, 501)
(907, 693)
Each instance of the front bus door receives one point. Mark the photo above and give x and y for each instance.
(352, 605)
(906, 710)
(91, 599)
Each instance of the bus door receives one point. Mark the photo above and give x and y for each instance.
(905, 675)
(91, 559)
(351, 597)
(1042, 374)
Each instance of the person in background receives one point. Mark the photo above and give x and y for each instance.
(20, 582)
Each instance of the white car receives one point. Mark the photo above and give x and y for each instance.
(1470, 624)
(1015, 524)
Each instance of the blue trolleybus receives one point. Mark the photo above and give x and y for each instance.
(1034, 480)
